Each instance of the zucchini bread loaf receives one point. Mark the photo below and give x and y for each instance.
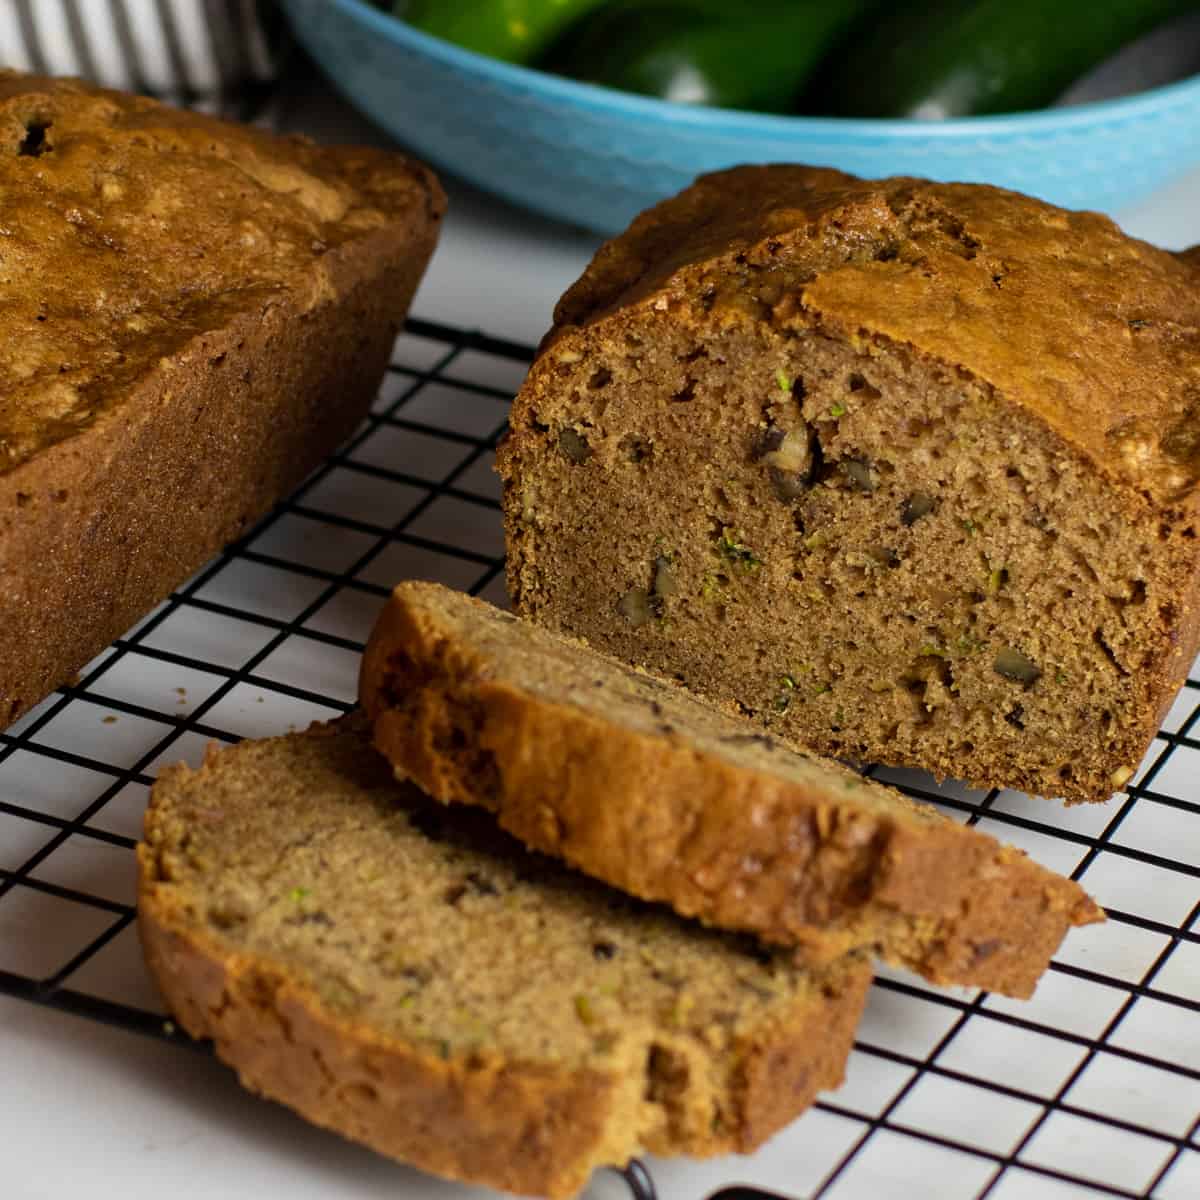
(194, 314)
(632, 780)
(410, 977)
(905, 470)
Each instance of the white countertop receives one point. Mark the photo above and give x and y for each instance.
(87, 1111)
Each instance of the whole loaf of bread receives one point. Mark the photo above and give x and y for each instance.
(907, 471)
(192, 315)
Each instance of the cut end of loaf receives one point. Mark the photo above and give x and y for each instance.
(865, 552)
(906, 471)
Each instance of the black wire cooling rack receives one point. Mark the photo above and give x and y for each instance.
(1090, 1089)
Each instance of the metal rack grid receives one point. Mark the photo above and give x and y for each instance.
(1090, 1089)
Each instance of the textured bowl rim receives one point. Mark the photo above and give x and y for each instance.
(604, 99)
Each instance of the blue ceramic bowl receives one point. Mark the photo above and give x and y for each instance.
(596, 157)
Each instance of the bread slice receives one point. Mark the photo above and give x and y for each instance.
(907, 470)
(638, 783)
(410, 977)
(195, 314)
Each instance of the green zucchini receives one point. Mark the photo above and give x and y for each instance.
(704, 52)
(950, 58)
(514, 30)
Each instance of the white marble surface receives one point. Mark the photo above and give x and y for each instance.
(86, 1111)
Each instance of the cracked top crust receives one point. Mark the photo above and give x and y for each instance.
(1094, 333)
(128, 227)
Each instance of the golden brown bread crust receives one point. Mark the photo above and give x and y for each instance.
(1086, 340)
(196, 313)
(666, 817)
(480, 1113)
(1118, 379)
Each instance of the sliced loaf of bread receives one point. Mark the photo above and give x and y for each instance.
(409, 976)
(908, 470)
(638, 783)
